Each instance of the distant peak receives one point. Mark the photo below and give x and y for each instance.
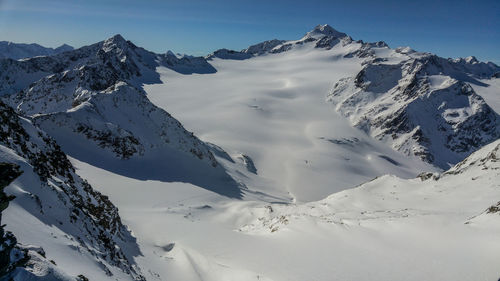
(169, 53)
(64, 48)
(324, 30)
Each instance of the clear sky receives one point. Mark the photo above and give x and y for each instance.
(447, 28)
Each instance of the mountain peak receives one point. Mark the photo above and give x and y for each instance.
(324, 30)
(116, 41)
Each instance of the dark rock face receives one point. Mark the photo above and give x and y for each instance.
(124, 147)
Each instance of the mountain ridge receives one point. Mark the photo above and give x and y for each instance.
(22, 51)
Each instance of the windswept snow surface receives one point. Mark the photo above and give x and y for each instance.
(272, 108)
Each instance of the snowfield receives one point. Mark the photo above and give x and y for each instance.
(386, 229)
(273, 108)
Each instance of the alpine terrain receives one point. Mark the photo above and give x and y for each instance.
(322, 158)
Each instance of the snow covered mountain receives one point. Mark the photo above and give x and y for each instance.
(21, 51)
(91, 101)
(308, 158)
(62, 210)
(419, 103)
(289, 85)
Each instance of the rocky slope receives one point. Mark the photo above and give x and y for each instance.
(52, 194)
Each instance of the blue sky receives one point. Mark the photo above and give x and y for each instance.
(448, 28)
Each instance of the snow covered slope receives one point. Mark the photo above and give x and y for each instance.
(488, 89)
(20, 51)
(451, 220)
(78, 228)
(433, 227)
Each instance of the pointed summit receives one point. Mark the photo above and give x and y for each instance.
(324, 30)
(116, 38)
(116, 41)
